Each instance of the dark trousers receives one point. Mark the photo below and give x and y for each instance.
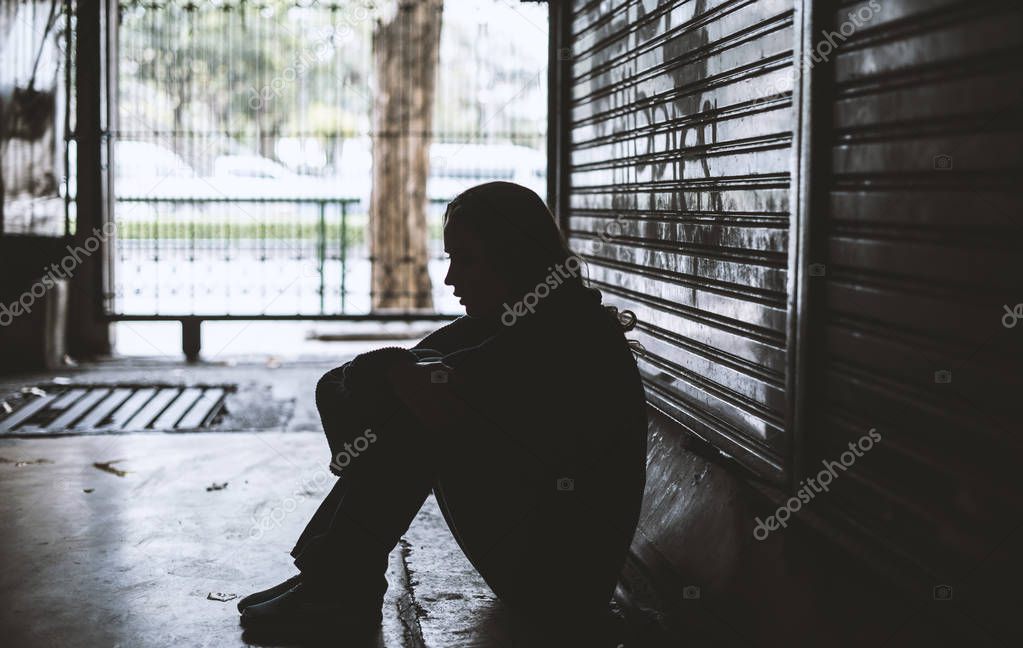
(545, 551)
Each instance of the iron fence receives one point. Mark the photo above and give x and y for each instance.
(243, 151)
(210, 257)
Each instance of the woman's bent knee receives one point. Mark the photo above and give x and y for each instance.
(327, 387)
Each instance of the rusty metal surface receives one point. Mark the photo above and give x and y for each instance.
(680, 163)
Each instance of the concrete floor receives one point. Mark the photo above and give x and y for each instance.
(92, 558)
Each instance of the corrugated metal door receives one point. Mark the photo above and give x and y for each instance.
(680, 162)
(916, 325)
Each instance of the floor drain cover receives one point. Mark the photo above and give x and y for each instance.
(88, 408)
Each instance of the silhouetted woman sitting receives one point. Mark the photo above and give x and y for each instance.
(526, 418)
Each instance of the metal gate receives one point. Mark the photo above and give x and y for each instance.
(915, 317)
(679, 159)
(243, 150)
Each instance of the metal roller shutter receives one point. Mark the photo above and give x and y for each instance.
(922, 235)
(680, 157)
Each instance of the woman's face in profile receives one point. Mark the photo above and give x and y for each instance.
(478, 284)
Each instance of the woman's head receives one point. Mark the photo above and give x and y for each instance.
(502, 241)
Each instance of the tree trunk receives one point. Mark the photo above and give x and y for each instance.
(406, 48)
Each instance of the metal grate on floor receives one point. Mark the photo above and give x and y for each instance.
(112, 408)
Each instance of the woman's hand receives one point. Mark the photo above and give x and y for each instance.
(368, 371)
(425, 388)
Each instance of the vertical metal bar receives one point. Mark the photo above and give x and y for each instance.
(344, 250)
(191, 337)
(559, 120)
(811, 104)
(321, 251)
(90, 335)
(68, 90)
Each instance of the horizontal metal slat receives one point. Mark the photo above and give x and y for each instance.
(745, 130)
(943, 315)
(730, 441)
(681, 88)
(763, 239)
(718, 303)
(700, 395)
(948, 264)
(770, 357)
(977, 152)
(723, 198)
(983, 35)
(769, 393)
(968, 211)
(931, 98)
(686, 262)
(705, 48)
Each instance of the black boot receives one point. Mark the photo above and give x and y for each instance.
(267, 594)
(305, 609)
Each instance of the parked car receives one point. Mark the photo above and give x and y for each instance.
(453, 167)
(134, 159)
(456, 167)
(254, 176)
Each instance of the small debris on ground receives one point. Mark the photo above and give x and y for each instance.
(273, 362)
(215, 486)
(6, 407)
(69, 361)
(35, 391)
(107, 466)
(220, 596)
(61, 380)
(18, 463)
(88, 490)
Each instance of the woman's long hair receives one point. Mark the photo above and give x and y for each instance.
(518, 230)
(521, 237)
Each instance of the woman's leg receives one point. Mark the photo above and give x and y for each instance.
(345, 546)
(548, 552)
